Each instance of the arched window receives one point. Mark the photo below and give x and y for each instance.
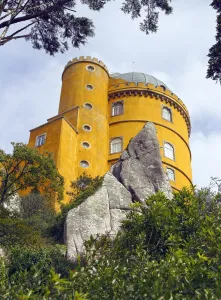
(169, 151)
(116, 145)
(167, 114)
(170, 174)
(117, 108)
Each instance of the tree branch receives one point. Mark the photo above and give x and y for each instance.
(31, 16)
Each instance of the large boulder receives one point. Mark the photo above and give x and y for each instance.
(140, 169)
(101, 213)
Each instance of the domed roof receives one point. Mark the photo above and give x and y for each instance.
(139, 77)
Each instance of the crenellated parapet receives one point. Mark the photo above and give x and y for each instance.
(149, 90)
(88, 59)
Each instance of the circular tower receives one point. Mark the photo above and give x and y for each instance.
(134, 99)
(85, 87)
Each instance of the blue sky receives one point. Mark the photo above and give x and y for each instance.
(30, 80)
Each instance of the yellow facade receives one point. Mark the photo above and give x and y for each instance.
(82, 133)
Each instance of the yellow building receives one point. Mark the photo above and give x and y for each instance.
(100, 112)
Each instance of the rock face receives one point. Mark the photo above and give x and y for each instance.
(140, 169)
(137, 175)
(13, 204)
(101, 213)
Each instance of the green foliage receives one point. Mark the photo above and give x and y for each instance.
(48, 257)
(32, 227)
(16, 231)
(82, 188)
(169, 250)
(38, 281)
(26, 169)
(214, 69)
(37, 211)
(50, 25)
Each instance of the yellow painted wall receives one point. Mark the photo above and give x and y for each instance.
(61, 140)
(65, 133)
(75, 93)
(138, 109)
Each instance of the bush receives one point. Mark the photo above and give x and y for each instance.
(38, 212)
(170, 250)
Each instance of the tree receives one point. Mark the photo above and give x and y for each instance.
(171, 249)
(51, 24)
(26, 169)
(214, 68)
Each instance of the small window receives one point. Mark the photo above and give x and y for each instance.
(117, 108)
(84, 164)
(88, 105)
(170, 174)
(87, 128)
(169, 151)
(116, 145)
(90, 68)
(40, 140)
(167, 114)
(85, 145)
(89, 87)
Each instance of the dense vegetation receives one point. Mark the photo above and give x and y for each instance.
(27, 169)
(167, 250)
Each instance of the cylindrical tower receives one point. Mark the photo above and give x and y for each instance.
(85, 85)
(134, 99)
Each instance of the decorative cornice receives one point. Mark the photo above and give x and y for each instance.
(158, 96)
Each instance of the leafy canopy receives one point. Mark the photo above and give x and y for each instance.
(26, 169)
(49, 25)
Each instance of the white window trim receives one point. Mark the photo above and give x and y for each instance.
(117, 137)
(84, 160)
(174, 155)
(112, 106)
(36, 140)
(168, 168)
(171, 114)
(87, 130)
(82, 144)
(87, 68)
(89, 104)
(86, 86)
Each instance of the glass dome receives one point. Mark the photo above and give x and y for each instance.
(139, 77)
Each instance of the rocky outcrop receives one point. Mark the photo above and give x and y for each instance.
(140, 169)
(137, 175)
(101, 213)
(13, 204)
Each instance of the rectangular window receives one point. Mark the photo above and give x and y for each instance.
(40, 140)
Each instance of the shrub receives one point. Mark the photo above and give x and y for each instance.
(170, 250)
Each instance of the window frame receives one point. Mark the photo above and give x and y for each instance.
(37, 137)
(88, 103)
(89, 145)
(112, 107)
(110, 144)
(166, 142)
(171, 115)
(88, 66)
(87, 85)
(86, 125)
(84, 160)
(174, 176)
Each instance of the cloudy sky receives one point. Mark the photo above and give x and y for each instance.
(30, 80)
